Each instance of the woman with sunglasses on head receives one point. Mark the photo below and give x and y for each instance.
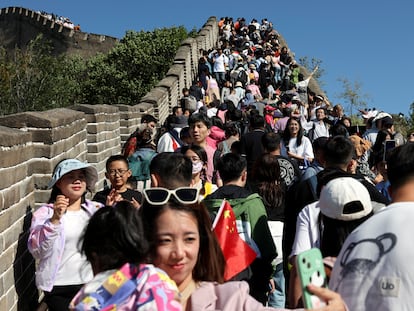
(115, 246)
(198, 157)
(55, 231)
(184, 246)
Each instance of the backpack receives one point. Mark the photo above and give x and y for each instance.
(190, 103)
(311, 133)
(242, 77)
(139, 164)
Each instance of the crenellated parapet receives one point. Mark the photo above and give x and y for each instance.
(32, 143)
(20, 25)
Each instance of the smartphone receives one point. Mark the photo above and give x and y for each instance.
(311, 270)
(388, 145)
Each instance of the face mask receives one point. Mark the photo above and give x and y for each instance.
(197, 167)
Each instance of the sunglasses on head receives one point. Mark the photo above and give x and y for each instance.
(160, 196)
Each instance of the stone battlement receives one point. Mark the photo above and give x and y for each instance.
(19, 25)
(32, 143)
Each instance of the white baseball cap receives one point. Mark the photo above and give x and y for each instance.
(345, 198)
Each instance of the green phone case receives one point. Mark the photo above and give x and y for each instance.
(311, 269)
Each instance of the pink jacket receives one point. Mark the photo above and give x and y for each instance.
(228, 296)
(47, 241)
(216, 136)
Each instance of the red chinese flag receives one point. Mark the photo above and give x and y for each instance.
(238, 254)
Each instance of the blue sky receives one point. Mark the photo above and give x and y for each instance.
(364, 41)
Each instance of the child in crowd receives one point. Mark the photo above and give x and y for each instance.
(118, 173)
(115, 246)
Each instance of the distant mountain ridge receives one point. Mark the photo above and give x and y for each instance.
(18, 26)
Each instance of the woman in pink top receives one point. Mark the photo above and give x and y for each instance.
(213, 90)
(55, 231)
(277, 69)
(217, 133)
(184, 246)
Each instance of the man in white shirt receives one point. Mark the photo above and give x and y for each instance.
(318, 127)
(374, 269)
(220, 63)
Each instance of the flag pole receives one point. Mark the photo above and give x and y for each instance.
(220, 211)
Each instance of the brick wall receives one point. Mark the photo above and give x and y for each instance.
(32, 143)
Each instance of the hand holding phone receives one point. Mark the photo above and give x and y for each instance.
(388, 145)
(311, 270)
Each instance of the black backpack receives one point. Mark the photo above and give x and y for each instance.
(242, 77)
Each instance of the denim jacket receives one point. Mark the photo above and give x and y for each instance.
(47, 242)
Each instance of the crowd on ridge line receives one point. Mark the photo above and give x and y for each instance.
(61, 20)
(292, 187)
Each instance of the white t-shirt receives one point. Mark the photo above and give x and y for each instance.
(220, 63)
(370, 135)
(166, 143)
(276, 230)
(374, 270)
(74, 268)
(304, 149)
(320, 129)
(307, 229)
(211, 112)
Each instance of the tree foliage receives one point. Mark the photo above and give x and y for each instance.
(310, 65)
(34, 80)
(132, 68)
(353, 96)
(410, 118)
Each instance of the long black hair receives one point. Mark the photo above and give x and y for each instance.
(286, 133)
(266, 172)
(335, 232)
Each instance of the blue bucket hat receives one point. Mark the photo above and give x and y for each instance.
(69, 165)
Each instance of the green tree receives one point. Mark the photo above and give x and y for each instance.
(401, 123)
(310, 65)
(132, 68)
(353, 96)
(410, 119)
(33, 79)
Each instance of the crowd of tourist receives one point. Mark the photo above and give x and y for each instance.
(250, 132)
(61, 20)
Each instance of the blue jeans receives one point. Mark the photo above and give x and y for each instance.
(278, 73)
(220, 77)
(277, 298)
